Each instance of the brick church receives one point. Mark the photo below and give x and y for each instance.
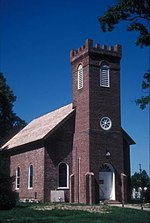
(79, 152)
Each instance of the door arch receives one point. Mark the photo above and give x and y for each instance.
(106, 182)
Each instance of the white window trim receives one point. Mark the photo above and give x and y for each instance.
(105, 83)
(29, 177)
(17, 188)
(67, 187)
(80, 77)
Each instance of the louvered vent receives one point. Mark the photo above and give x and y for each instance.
(80, 77)
(104, 76)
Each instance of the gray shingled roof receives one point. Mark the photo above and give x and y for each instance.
(39, 127)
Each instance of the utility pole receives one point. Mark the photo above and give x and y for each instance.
(140, 168)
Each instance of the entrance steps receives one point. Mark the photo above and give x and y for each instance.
(111, 202)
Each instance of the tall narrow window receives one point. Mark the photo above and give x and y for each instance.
(104, 75)
(30, 177)
(80, 77)
(18, 178)
(63, 175)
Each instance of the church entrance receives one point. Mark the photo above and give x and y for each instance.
(106, 182)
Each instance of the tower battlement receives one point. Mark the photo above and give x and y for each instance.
(115, 50)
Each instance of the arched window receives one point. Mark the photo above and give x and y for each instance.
(17, 177)
(30, 177)
(104, 75)
(63, 175)
(80, 76)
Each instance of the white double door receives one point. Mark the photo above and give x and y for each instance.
(106, 185)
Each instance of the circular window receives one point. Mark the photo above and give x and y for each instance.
(105, 123)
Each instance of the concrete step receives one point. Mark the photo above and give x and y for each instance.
(111, 202)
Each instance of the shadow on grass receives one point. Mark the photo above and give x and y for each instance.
(29, 213)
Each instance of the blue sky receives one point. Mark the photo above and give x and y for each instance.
(36, 37)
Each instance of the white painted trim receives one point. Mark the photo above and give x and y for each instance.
(79, 175)
(113, 194)
(67, 187)
(17, 177)
(29, 170)
(80, 76)
(62, 188)
(105, 78)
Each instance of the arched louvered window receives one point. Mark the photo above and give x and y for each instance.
(63, 175)
(30, 177)
(80, 76)
(104, 75)
(18, 178)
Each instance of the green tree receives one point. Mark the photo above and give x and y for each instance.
(140, 180)
(10, 123)
(7, 195)
(145, 100)
(137, 14)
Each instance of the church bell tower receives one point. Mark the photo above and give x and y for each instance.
(98, 156)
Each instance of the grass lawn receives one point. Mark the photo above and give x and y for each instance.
(38, 214)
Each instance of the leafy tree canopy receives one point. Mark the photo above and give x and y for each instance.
(137, 14)
(145, 100)
(140, 180)
(10, 123)
(7, 195)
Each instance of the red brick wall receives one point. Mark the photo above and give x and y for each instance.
(82, 125)
(127, 169)
(58, 149)
(23, 160)
(105, 102)
(45, 161)
(93, 102)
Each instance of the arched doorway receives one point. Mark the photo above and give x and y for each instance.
(106, 182)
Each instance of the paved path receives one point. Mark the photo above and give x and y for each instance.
(134, 206)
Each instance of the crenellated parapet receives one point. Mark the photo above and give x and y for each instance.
(115, 50)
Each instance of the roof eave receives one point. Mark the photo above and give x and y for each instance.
(128, 138)
(25, 147)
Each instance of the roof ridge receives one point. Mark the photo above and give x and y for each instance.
(54, 110)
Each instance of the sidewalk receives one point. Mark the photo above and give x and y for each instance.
(146, 207)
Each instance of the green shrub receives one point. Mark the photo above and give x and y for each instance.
(147, 195)
(7, 195)
(8, 201)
